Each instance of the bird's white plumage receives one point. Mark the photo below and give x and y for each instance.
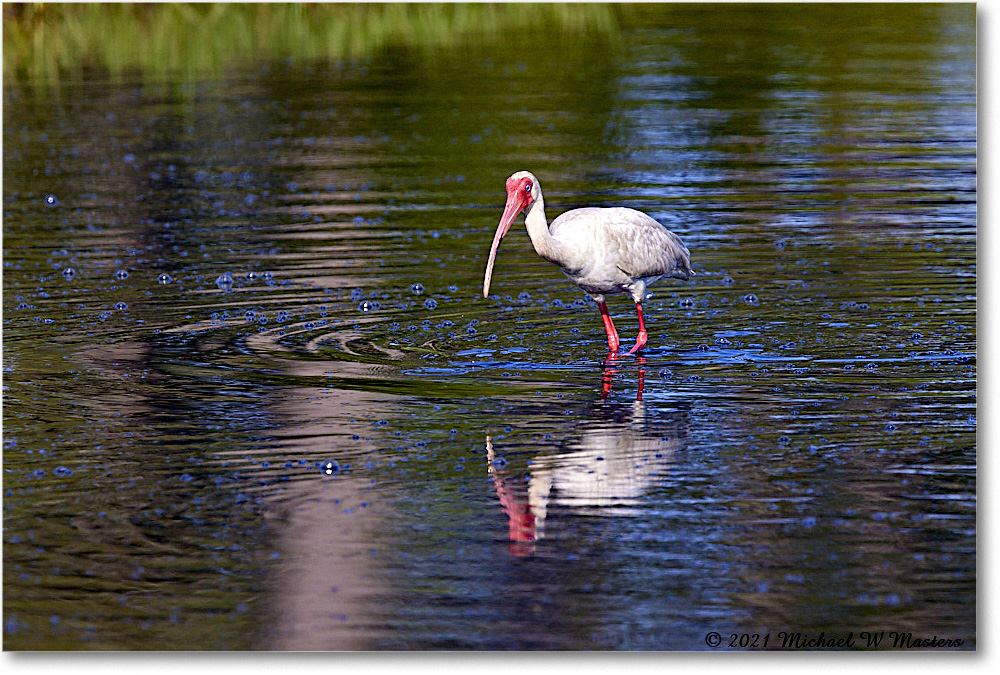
(615, 250)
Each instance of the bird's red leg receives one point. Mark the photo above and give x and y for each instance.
(609, 328)
(607, 381)
(642, 337)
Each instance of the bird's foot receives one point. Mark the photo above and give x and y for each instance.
(613, 347)
(640, 342)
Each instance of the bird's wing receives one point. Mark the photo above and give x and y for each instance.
(643, 248)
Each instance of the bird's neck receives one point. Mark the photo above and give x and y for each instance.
(538, 230)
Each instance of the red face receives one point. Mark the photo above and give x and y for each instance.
(519, 190)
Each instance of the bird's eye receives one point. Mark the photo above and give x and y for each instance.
(527, 188)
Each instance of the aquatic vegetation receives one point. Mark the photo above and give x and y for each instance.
(46, 41)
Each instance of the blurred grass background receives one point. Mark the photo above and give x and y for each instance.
(48, 41)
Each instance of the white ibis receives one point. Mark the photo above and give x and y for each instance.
(601, 250)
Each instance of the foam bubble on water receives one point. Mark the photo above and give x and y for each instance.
(366, 306)
(430, 303)
(225, 281)
(417, 288)
(122, 274)
(69, 273)
(251, 276)
(267, 276)
(686, 303)
(164, 278)
(51, 200)
(330, 467)
(121, 306)
(751, 299)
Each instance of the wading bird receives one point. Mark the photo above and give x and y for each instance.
(601, 250)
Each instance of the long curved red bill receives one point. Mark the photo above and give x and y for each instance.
(510, 211)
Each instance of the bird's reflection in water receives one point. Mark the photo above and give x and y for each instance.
(607, 467)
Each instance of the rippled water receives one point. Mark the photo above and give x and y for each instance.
(254, 399)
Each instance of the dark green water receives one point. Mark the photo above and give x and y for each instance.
(795, 451)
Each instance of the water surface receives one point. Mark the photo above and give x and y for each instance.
(254, 399)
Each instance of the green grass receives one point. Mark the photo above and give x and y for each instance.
(46, 42)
